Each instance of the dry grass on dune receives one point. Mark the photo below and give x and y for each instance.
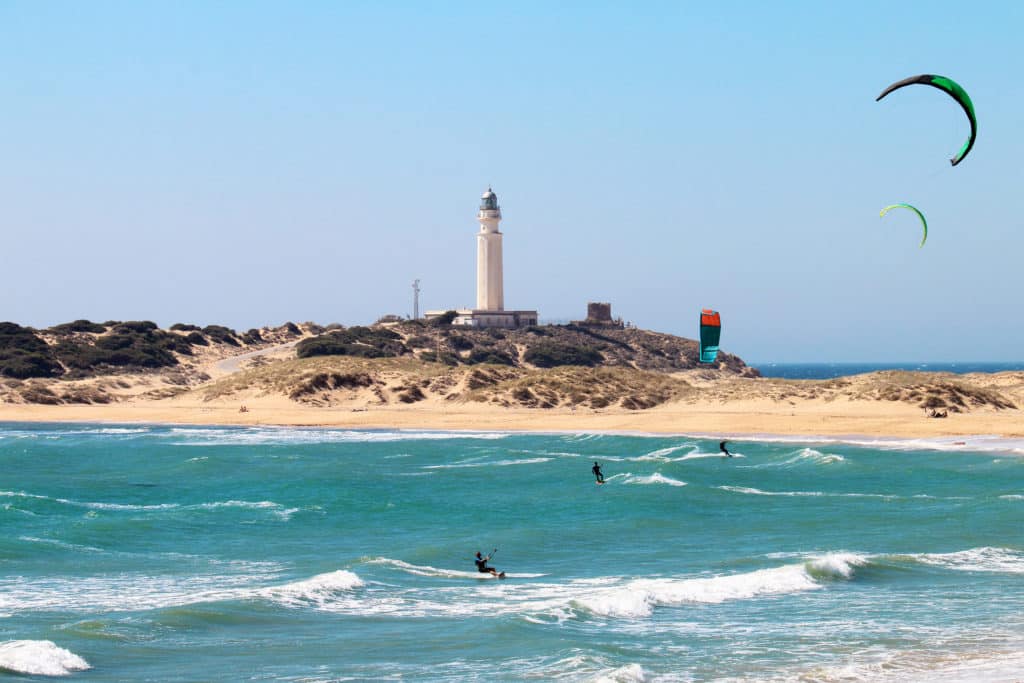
(350, 381)
(937, 391)
(341, 380)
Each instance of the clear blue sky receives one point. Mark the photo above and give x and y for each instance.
(248, 163)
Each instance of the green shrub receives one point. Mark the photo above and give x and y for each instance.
(24, 355)
(14, 336)
(219, 334)
(21, 365)
(121, 351)
(367, 342)
(552, 354)
(444, 358)
(460, 343)
(443, 320)
(139, 326)
(78, 326)
(196, 339)
(253, 336)
(488, 356)
(182, 327)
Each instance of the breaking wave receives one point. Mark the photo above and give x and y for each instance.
(199, 436)
(276, 508)
(748, 490)
(426, 570)
(656, 478)
(984, 559)
(487, 463)
(639, 598)
(39, 658)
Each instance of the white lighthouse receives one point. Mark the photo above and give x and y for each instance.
(490, 294)
(490, 288)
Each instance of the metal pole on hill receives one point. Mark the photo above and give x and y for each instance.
(415, 299)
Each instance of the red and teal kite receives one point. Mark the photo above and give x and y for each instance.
(710, 333)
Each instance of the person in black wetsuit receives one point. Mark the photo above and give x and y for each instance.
(481, 564)
(596, 469)
(721, 447)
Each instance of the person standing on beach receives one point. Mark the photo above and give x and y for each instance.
(596, 469)
(721, 447)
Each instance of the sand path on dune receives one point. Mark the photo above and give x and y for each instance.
(233, 364)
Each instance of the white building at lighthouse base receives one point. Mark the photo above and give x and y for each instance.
(490, 292)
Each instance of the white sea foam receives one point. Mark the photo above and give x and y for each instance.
(697, 453)
(748, 490)
(900, 666)
(118, 430)
(630, 673)
(816, 457)
(656, 478)
(486, 463)
(984, 559)
(61, 544)
(345, 591)
(640, 597)
(426, 570)
(90, 505)
(662, 453)
(197, 436)
(276, 508)
(39, 658)
(1012, 496)
(986, 443)
(317, 591)
(130, 592)
(835, 565)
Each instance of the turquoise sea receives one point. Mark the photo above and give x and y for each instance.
(172, 553)
(830, 370)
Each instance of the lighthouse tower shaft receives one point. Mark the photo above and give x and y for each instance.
(490, 294)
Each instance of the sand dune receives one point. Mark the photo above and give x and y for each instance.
(278, 389)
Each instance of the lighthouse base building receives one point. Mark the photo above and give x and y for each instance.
(490, 294)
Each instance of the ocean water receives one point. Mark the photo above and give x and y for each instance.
(830, 370)
(144, 553)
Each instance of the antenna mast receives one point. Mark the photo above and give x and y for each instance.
(415, 299)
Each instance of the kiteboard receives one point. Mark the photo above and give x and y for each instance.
(598, 482)
(501, 575)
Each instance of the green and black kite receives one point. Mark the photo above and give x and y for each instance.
(951, 88)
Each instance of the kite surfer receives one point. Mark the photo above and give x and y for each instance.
(721, 447)
(596, 469)
(481, 564)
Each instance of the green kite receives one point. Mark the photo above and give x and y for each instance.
(951, 88)
(920, 215)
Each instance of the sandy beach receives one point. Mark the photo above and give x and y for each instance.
(215, 383)
(761, 416)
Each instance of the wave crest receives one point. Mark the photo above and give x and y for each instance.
(656, 478)
(640, 597)
(984, 559)
(426, 570)
(317, 590)
(39, 658)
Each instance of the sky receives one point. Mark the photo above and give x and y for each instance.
(251, 163)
